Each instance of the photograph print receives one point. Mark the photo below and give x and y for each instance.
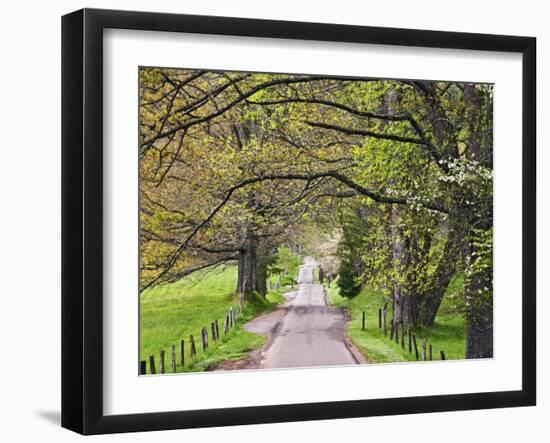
(295, 221)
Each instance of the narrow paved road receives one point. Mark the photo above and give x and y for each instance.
(307, 332)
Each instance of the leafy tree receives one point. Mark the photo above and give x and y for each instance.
(231, 163)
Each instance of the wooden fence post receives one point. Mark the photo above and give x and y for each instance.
(142, 367)
(415, 346)
(410, 339)
(430, 352)
(217, 326)
(226, 323)
(391, 330)
(213, 329)
(424, 350)
(162, 362)
(192, 347)
(379, 318)
(173, 358)
(403, 335)
(152, 364)
(442, 354)
(204, 337)
(384, 312)
(182, 353)
(363, 321)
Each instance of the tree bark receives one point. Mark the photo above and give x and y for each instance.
(430, 302)
(262, 259)
(252, 267)
(399, 252)
(410, 309)
(479, 316)
(246, 284)
(479, 279)
(479, 305)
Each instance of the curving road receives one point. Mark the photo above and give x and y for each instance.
(305, 331)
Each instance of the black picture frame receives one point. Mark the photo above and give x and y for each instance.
(82, 215)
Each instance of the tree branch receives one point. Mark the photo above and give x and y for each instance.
(289, 176)
(222, 110)
(352, 131)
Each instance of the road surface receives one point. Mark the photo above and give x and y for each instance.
(305, 331)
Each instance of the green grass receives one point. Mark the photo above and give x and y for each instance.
(448, 333)
(276, 297)
(172, 312)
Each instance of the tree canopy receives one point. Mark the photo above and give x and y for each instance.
(234, 165)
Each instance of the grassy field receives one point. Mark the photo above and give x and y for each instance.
(172, 312)
(448, 333)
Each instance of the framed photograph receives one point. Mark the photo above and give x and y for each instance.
(270, 221)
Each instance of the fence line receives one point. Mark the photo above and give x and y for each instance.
(234, 313)
(230, 321)
(426, 353)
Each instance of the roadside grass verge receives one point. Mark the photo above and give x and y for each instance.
(276, 297)
(448, 334)
(172, 312)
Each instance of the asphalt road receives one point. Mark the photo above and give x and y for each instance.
(305, 332)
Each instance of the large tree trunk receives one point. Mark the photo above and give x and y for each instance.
(399, 252)
(252, 270)
(252, 274)
(262, 259)
(479, 317)
(410, 309)
(409, 304)
(246, 283)
(430, 302)
(416, 255)
(479, 276)
(479, 304)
